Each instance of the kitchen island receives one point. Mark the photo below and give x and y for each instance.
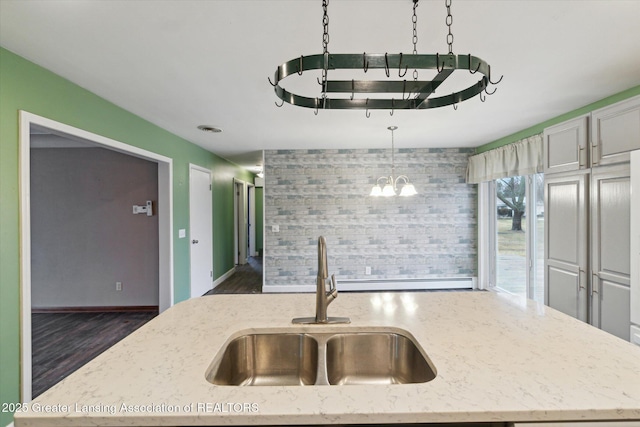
(497, 358)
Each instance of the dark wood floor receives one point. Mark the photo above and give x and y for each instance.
(247, 279)
(63, 342)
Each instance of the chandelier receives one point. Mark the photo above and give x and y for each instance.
(391, 94)
(387, 186)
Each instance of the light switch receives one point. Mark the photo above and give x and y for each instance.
(182, 233)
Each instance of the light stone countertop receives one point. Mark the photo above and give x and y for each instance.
(498, 358)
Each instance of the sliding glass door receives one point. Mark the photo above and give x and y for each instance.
(519, 234)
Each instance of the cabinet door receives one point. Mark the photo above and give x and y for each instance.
(615, 131)
(566, 243)
(610, 247)
(565, 146)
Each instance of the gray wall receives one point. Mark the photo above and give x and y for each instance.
(85, 237)
(309, 193)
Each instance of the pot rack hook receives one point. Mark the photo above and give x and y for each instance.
(487, 92)
(386, 64)
(365, 63)
(300, 66)
(367, 113)
(477, 68)
(404, 90)
(494, 83)
(281, 104)
(483, 98)
(392, 106)
(316, 112)
(455, 104)
(352, 89)
(438, 63)
(271, 83)
(400, 67)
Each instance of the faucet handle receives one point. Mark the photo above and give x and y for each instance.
(332, 285)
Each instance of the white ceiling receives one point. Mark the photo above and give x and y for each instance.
(180, 63)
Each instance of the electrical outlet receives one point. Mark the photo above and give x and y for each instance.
(118, 286)
(367, 270)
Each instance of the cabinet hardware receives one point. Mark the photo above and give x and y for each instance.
(580, 286)
(594, 284)
(593, 154)
(580, 164)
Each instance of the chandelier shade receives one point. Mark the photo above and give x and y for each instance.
(387, 186)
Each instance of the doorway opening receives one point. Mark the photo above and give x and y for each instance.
(31, 122)
(243, 226)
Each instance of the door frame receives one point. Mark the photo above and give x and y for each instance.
(241, 215)
(165, 224)
(251, 197)
(239, 233)
(195, 167)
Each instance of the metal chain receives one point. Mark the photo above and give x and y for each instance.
(449, 21)
(414, 19)
(325, 49)
(325, 26)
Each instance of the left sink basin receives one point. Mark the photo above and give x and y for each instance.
(267, 360)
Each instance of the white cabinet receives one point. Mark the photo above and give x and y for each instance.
(610, 268)
(565, 146)
(590, 217)
(615, 132)
(566, 243)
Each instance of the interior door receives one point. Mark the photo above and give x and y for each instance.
(200, 230)
(610, 247)
(566, 244)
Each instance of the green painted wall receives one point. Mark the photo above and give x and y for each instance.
(29, 87)
(533, 130)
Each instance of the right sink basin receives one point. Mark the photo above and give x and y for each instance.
(375, 358)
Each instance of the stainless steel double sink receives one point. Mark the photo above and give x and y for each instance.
(294, 357)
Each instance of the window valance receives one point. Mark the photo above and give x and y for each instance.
(522, 157)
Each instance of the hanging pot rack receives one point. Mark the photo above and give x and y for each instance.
(413, 94)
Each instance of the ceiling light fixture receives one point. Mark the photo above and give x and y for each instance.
(410, 94)
(387, 186)
(210, 129)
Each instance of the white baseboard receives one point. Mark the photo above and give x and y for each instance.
(385, 285)
(224, 277)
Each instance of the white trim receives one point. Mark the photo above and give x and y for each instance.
(280, 289)
(165, 225)
(224, 277)
(251, 195)
(240, 234)
(366, 285)
(485, 228)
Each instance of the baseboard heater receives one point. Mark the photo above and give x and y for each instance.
(406, 284)
(369, 285)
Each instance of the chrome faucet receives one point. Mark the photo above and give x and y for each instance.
(323, 298)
